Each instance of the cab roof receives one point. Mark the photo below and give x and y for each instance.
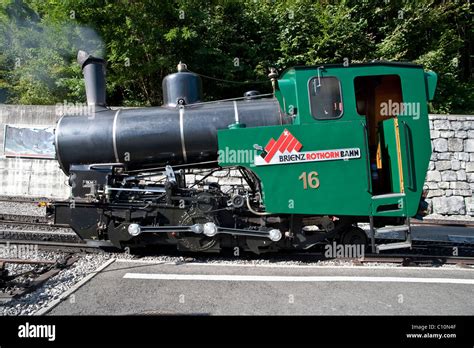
(368, 64)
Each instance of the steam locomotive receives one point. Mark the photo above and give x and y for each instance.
(332, 146)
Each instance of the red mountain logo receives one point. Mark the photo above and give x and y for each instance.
(286, 142)
(286, 150)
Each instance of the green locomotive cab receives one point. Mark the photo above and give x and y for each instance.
(357, 142)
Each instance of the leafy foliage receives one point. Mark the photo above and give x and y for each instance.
(232, 40)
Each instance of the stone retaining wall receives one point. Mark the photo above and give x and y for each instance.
(25, 176)
(450, 179)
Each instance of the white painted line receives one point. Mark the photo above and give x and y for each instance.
(73, 289)
(255, 278)
(376, 267)
(144, 261)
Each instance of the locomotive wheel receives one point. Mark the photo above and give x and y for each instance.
(194, 243)
(354, 235)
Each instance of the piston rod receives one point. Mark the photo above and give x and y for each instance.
(209, 229)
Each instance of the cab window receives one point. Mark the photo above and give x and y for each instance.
(325, 97)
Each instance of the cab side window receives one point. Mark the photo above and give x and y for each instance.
(325, 97)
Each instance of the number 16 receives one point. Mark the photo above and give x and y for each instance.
(311, 179)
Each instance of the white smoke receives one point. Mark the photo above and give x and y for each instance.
(24, 32)
(37, 46)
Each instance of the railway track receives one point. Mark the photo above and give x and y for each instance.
(17, 199)
(14, 286)
(416, 260)
(412, 258)
(32, 237)
(403, 259)
(27, 220)
(48, 238)
(436, 248)
(439, 222)
(68, 247)
(38, 230)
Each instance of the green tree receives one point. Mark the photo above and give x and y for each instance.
(435, 34)
(228, 39)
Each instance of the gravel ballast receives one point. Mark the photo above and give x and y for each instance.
(21, 208)
(52, 289)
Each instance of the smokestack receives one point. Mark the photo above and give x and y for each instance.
(93, 69)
